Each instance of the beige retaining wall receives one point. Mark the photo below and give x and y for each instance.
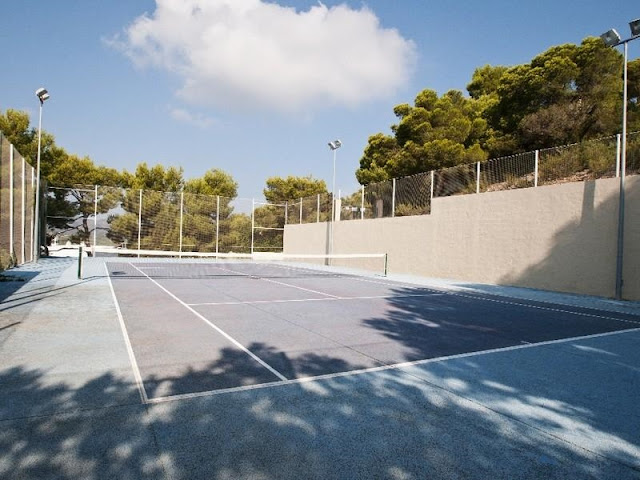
(556, 237)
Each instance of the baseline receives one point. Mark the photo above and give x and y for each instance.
(298, 381)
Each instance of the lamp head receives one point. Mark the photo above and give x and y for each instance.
(335, 144)
(42, 94)
(634, 25)
(611, 38)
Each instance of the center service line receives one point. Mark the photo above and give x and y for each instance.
(215, 327)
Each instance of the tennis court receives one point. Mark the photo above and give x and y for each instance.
(202, 327)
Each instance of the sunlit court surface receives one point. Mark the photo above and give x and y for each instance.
(149, 368)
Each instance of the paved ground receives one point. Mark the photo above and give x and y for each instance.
(71, 406)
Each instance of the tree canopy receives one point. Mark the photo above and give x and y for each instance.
(567, 94)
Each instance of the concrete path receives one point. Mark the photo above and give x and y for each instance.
(70, 405)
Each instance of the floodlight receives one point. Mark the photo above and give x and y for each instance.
(42, 94)
(611, 38)
(335, 144)
(634, 25)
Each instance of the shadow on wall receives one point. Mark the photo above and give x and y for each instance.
(582, 248)
(383, 425)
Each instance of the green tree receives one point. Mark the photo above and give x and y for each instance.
(70, 208)
(434, 133)
(567, 94)
(292, 188)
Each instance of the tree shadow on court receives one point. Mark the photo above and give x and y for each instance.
(234, 368)
(391, 424)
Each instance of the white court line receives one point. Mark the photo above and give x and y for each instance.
(480, 296)
(215, 327)
(395, 366)
(298, 300)
(278, 283)
(132, 357)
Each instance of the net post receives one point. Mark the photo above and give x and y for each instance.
(386, 264)
(362, 203)
(80, 262)
(300, 210)
(318, 210)
(478, 177)
(95, 217)
(535, 175)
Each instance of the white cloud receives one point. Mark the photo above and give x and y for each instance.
(197, 119)
(254, 54)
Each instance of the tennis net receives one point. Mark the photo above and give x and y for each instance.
(116, 262)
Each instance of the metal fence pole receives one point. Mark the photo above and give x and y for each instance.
(536, 168)
(286, 211)
(318, 210)
(217, 220)
(253, 221)
(618, 154)
(478, 177)
(362, 203)
(23, 212)
(393, 198)
(139, 222)
(32, 223)
(11, 180)
(431, 193)
(181, 218)
(300, 210)
(95, 219)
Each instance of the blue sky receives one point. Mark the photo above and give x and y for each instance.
(257, 89)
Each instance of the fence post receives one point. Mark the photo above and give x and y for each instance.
(362, 204)
(618, 144)
(478, 178)
(11, 249)
(253, 220)
(181, 220)
(431, 194)
(536, 168)
(300, 210)
(286, 211)
(139, 222)
(393, 198)
(95, 219)
(217, 220)
(318, 210)
(32, 223)
(23, 211)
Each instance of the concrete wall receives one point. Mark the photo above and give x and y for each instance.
(557, 237)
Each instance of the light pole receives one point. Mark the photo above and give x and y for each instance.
(612, 39)
(42, 95)
(335, 145)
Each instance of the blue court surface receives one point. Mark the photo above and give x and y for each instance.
(226, 370)
(202, 327)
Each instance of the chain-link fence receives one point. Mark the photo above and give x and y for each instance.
(186, 222)
(163, 221)
(17, 204)
(413, 195)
